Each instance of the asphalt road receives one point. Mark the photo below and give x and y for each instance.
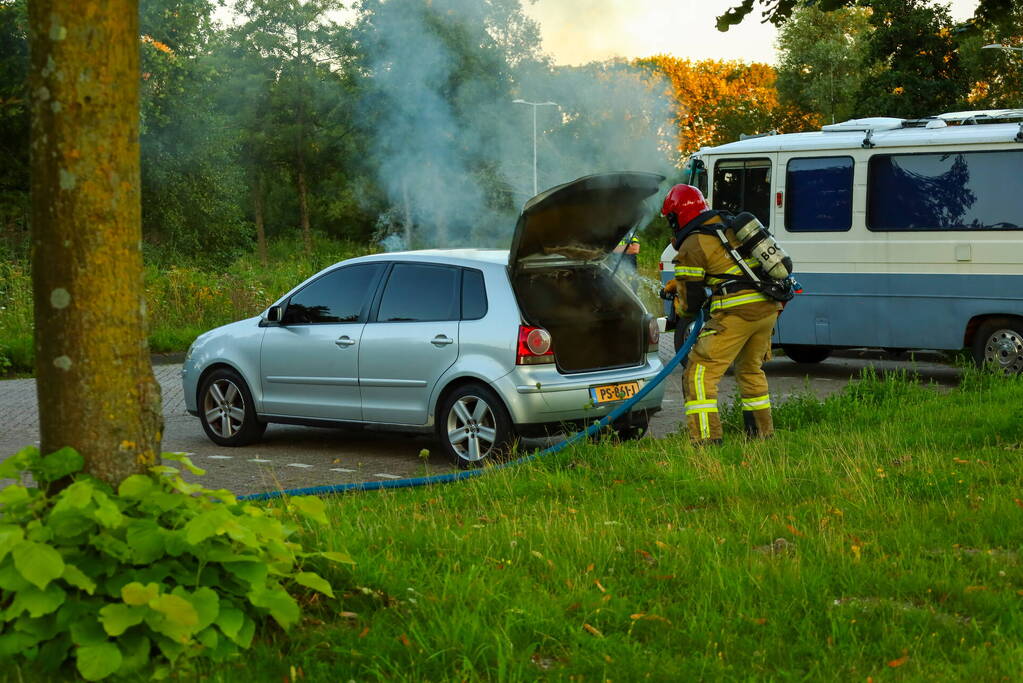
(291, 457)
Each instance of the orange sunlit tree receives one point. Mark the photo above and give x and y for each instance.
(716, 101)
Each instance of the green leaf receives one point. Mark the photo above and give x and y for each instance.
(145, 538)
(282, 607)
(87, 631)
(107, 513)
(25, 459)
(10, 536)
(96, 662)
(136, 486)
(75, 496)
(118, 618)
(174, 617)
(14, 494)
(340, 558)
(314, 581)
(112, 546)
(77, 578)
(205, 601)
(184, 460)
(15, 643)
(253, 573)
(36, 602)
(208, 638)
(135, 593)
(230, 621)
(59, 464)
(311, 507)
(10, 579)
(207, 524)
(37, 562)
(135, 650)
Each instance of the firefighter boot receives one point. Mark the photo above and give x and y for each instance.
(758, 423)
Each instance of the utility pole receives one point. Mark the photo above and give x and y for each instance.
(534, 105)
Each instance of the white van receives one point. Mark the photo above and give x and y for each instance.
(905, 234)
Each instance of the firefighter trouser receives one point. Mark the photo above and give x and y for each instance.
(728, 338)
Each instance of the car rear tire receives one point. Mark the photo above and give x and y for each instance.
(226, 409)
(473, 426)
(999, 345)
(806, 354)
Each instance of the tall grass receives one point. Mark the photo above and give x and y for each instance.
(182, 300)
(878, 535)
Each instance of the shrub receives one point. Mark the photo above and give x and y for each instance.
(155, 574)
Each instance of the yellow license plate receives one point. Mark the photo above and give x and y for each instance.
(608, 393)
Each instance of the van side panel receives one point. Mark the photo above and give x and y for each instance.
(901, 310)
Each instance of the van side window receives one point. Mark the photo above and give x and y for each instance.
(743, 185)
(945, 191)
(819, 193)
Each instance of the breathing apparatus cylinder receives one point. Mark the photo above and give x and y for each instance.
(757, 242)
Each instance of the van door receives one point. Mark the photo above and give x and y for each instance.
(744, 185)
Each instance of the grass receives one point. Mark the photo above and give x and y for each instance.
(900, 520)
(182, 300)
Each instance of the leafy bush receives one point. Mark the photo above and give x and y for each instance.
(158, 573)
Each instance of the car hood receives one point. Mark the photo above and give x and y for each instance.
(583, 219)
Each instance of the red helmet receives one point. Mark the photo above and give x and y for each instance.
(686, 202)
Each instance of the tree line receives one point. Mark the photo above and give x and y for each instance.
(393, 119)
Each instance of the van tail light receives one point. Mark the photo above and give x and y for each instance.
(534, 346)
(653, 335)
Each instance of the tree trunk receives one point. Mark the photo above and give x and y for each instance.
(260, 230)
(95, 383)
(303, 205)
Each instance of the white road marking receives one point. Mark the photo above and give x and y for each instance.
(340, 469)
(259, 460)
(220, 457)
(387, 476)
(299, 464)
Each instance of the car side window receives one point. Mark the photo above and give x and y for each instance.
(474, 295)
(337, 297)
(417, 292)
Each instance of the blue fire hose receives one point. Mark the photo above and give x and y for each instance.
(468, 474)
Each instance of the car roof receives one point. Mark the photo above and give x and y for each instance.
(458, 257)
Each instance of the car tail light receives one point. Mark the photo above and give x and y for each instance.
(653, 335)
(534, 346)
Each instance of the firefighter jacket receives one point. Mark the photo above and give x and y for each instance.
(703, 262)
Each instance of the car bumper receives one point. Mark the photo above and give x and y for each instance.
(542, 395)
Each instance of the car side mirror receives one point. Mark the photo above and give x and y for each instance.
(275, 314)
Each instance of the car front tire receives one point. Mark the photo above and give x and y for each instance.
(226, 410)
(474, 427)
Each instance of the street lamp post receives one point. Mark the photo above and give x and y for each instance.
(534, 105)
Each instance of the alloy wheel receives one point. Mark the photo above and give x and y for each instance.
(1004, 350)
(224, 408)
(472, 429)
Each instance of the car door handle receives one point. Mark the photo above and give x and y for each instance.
(442, 340)
(344, 341)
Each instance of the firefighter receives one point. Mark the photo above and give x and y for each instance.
(740, 325)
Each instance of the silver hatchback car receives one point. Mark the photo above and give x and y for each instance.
(478, 346)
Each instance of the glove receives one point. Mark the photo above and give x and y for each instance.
(666, 295)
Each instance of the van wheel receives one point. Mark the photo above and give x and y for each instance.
(474, 426)
(999, 345)
(806, 353)
(226, 410)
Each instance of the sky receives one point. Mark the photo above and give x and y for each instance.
(580, 31)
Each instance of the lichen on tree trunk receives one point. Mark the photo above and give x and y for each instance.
(96, 388)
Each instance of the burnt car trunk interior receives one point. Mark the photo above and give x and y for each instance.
(594, 321)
